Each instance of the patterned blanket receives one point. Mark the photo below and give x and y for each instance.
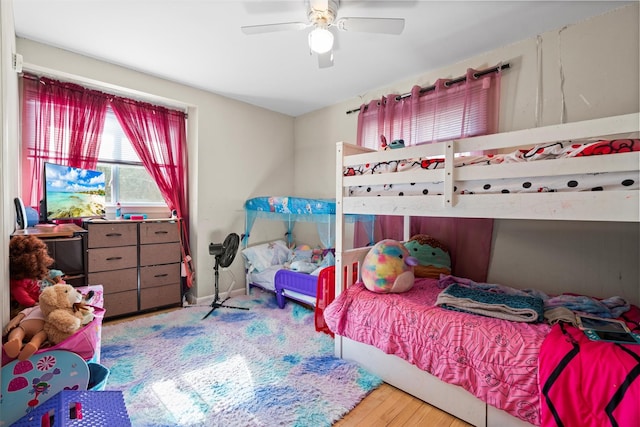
(517, 308)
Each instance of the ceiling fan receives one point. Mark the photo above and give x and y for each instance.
(322, 15)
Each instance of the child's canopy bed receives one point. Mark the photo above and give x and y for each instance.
(288, 268)
(501, 367)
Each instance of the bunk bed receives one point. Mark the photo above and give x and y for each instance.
(440, 380)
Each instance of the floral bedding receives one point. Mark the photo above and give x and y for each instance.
(494, 359)
(557, 150)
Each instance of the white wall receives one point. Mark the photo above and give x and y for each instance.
(600, 62)
(229, 160)
(9, 149)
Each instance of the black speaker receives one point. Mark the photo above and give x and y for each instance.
(43, 212)
(21, 213)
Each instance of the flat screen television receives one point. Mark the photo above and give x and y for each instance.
(72, 193)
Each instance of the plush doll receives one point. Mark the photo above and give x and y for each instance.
(396, 143)
(27, 325)
(62, 317)
(85, 310)
(433, 256)
(53, 278)
(29, 263)
(388, 268)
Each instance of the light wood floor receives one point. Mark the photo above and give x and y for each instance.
(389, 406)
(384, 406)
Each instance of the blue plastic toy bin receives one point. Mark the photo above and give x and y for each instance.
(98, 375)
(71, 408)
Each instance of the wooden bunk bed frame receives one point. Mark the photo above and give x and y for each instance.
(621, 206)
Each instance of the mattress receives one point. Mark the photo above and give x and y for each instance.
(535, 184)
(265, 278)
(495, 360)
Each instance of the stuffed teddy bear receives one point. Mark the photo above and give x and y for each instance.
(29, 263)
(433, 256)
(388, 268)
(27, 325)
(62, 315)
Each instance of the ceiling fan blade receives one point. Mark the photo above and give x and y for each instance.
(272, 28)
(371, 25)
(325, 60)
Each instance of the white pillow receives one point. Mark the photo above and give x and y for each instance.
(263, 256)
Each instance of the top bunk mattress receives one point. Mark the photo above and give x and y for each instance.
(575, 171)
(595, 181)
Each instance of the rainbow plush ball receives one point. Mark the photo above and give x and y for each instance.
(388, 268)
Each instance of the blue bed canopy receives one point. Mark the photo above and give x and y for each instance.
(291, 210)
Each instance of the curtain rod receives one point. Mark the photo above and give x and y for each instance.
(449, 82)
(104, 87)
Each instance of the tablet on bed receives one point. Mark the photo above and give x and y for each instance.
(611, 330)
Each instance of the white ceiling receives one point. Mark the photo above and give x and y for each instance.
(199, 42)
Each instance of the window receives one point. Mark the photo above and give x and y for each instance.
(63, 122)
(127, 180)
(447, 110)
(60, 124)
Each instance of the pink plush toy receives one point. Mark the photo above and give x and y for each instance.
(388, 268)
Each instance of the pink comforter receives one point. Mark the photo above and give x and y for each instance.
(496, 360)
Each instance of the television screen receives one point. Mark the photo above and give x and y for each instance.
(73, 193)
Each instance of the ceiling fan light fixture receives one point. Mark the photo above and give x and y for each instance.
(320, 40)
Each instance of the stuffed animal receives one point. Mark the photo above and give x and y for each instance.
(433, 256)
(396, 143)
(62, 317)
(388, 268)
(27, 325)
(53, 278)
(29, 263)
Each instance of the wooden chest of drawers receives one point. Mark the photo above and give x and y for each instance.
(138, 264)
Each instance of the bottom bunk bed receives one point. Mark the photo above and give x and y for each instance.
(485, 370)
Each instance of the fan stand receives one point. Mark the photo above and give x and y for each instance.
(216, 299)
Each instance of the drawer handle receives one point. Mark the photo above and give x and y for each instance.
(161, 275)
(114, 258)
(161, 232)
(114, 234)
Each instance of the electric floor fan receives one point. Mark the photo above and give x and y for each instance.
(224, 254)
